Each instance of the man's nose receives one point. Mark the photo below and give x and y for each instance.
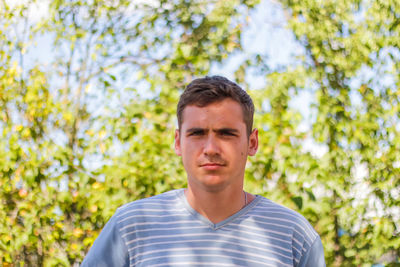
(211, 146)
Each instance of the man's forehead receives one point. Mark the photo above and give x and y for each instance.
(217, 115)
(221, 105)
(214, 129)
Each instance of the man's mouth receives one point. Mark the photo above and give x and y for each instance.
(212, 166)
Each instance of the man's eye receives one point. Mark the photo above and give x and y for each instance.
(227, 134)
(196, 133)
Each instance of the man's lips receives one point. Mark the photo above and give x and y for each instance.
(211, 166)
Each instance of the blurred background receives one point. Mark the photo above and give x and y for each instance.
(88, 94)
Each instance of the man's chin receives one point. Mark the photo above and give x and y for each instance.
(214, 184)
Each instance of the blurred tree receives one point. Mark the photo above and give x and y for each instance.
(87, 125)
(350, 69)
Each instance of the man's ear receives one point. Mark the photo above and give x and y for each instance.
(177, 143)
(253, 142)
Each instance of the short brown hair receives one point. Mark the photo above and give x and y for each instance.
(204, 91)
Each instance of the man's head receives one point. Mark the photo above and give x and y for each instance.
(204, 91)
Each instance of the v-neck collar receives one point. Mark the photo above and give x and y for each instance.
(215, 226)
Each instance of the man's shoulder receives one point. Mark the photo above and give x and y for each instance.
(271, 212)
(155, 205)
(274, 208)
(163, 197)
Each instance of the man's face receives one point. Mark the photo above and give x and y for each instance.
(214, 145)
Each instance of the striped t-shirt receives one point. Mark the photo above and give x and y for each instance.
(165, 230)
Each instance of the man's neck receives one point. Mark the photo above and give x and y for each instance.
(217, 206)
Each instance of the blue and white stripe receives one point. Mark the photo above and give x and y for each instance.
(165, 231)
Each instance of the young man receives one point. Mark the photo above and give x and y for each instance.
(213, 222)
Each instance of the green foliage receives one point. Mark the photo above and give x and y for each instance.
(89, 127)
(88, 124)
(350, 69)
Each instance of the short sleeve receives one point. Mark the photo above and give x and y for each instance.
(108, 249)
(315, 256)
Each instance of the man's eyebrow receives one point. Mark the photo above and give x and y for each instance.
(220, 130)
(195, 129)
(226, 130)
